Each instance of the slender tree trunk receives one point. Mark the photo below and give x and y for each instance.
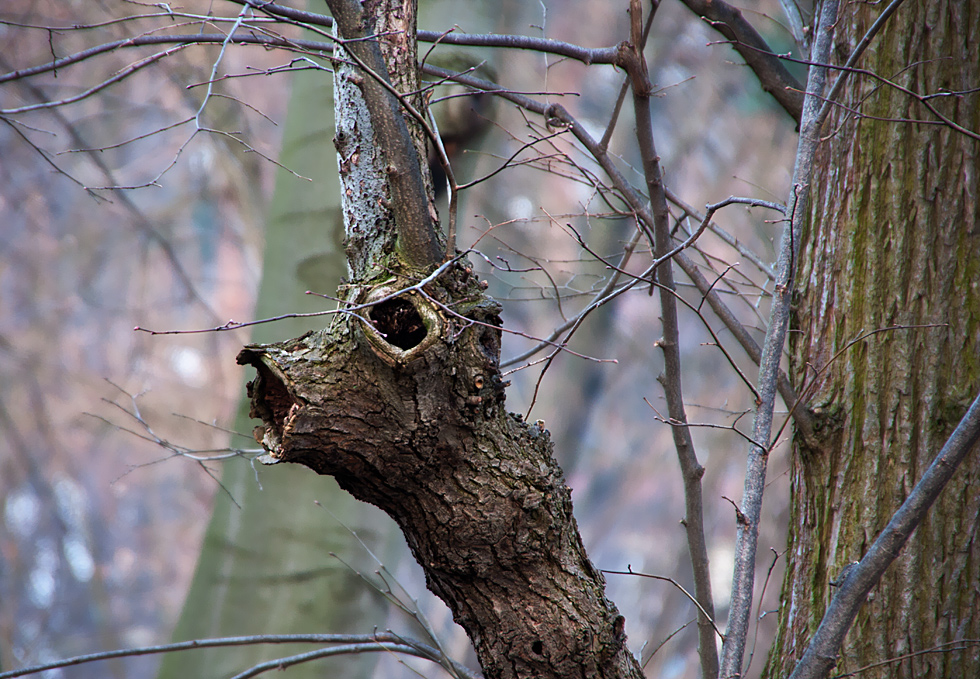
(893, 243)
(265, 556)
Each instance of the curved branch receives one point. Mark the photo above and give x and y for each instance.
(142, 41)
(355, 643)
(588, 56)
(772, 74)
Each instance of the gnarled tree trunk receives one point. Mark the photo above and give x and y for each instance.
(892, 245)
(402, 402)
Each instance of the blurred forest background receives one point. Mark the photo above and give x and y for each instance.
(101, 527)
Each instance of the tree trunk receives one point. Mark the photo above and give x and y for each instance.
(402, 401)
(258, 572)
(892, 244)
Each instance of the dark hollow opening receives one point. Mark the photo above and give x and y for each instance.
(399, 322)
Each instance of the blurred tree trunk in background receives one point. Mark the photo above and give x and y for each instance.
(893, 242)
(261, 570)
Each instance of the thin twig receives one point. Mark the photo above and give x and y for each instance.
(664, 578)
(638, 205)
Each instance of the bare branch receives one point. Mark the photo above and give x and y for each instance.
(802, 418)
(588, 56)
(924, 99)
(121, 75)
(142, 41)
(670, 422)
(724, 235)
(639, 206)
(355, 643)
(747, 535)
(752, 47)
(856, 54)
(691, 469)
(676, 584)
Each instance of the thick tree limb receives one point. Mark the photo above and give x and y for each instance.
(403, 405)
(408, 202)
(751, 46)
(421, 432)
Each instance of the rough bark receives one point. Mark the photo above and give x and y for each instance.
(403, 404)
(388, 216)
(482, 503)
(892, 243)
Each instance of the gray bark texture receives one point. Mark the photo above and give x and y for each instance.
(892, 246)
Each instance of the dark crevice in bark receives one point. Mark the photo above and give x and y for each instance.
(399, 323)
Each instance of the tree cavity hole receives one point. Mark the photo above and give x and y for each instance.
(400, 323)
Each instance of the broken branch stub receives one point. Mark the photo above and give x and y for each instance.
(402, 401)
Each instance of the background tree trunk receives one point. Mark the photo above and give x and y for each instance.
(892, 243)
(258, 572)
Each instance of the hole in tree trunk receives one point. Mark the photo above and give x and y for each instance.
(399, 322)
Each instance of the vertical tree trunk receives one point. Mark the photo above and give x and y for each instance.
(259, 571)
(893, 243)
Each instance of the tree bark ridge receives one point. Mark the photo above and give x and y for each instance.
(891, 243)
